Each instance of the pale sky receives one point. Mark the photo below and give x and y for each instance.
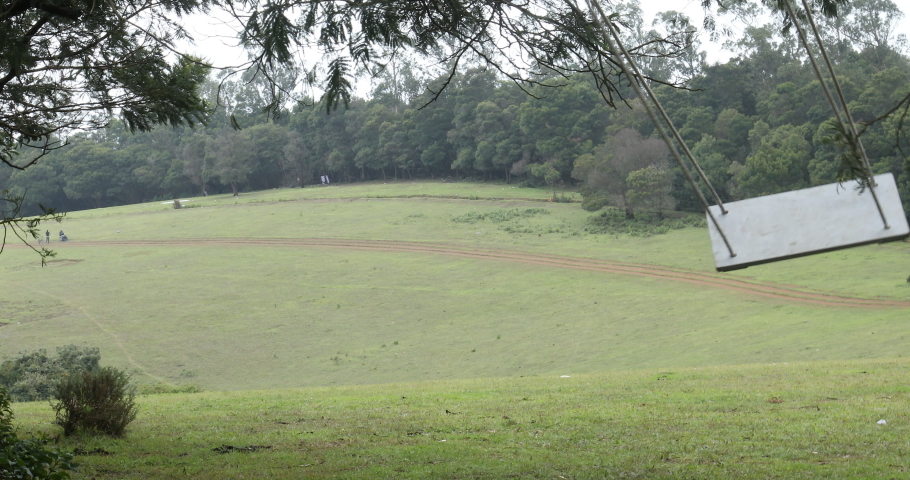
(214, 39)
(693, 10)
(214, 36)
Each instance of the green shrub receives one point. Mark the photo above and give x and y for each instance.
(500, 215)
(28, 459)
(593, 203)
(32, 375)
(470, 217)
(96, 401)
(613, 221)
(75, 359)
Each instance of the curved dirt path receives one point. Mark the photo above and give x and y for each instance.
(720, 281)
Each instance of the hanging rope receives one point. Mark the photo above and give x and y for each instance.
(615, 34)
(638, 83)
(842, 109)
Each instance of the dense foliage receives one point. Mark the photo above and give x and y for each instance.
(28, 459)
(34, 375)
(757, 123)
(68, 64)
(99, 401)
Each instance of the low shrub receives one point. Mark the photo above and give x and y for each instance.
(500, 215)
(28, 458)
(563, 198)
(614, 221)
(99, 401)
(32, 375)
(593, 203)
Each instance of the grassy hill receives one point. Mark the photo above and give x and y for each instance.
(220, 296)
(428, 330)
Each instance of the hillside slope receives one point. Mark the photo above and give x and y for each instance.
(300, 288)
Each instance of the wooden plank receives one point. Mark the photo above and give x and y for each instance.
(805, 222)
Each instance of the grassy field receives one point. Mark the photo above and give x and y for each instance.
(225, 295)
(384, 211)
(366, 190)
(804, 420)
(252, 316)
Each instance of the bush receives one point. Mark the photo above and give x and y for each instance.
(32, 375)
(613, 221)
(96, 401)
(499, 216)
(28, 459)
(593, 203)
(563, 198)
(75, 359)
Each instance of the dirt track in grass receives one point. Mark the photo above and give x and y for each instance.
(784, 293)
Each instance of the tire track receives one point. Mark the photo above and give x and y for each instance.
(691, 277)
(114, 337)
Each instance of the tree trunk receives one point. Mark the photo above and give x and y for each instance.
(234, 188)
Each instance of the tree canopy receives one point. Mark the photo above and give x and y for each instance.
(72, 65)
(68, 65)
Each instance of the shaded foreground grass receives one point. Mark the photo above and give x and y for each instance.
(762, 421)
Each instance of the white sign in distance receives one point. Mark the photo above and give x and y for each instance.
(805, 222)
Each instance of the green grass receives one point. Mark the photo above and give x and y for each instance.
(365, 190)
(240, 317)
(235, 317)
(870, 271)
(667, 379)
(804, 420)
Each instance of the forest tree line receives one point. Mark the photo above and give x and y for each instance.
(756, 123)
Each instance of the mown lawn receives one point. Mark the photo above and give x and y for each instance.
(238, 317)
(353, 363)
(802, 420)
(251, 317)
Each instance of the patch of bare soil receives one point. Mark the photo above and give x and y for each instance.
(61, 262)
